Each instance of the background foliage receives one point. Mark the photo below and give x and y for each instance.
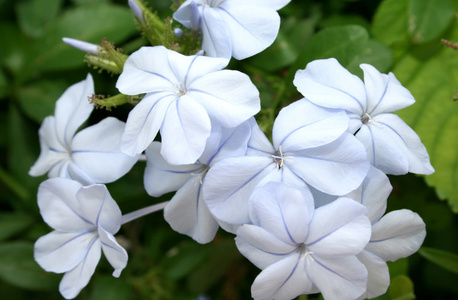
(402, 36)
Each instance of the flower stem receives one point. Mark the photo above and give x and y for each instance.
(143, 212)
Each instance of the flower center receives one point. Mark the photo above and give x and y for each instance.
(302, 248)
(213, 3)
(180, 89)
(365, 118)
(278, 157)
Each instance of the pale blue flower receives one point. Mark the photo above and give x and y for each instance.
(238, 28)
(90, 156)
(303, 250)
(310, 146)
(391, 145)
(85, 218)
(184, 94)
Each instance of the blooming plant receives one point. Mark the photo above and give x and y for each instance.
(293, 180)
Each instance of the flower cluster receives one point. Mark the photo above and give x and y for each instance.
(308, 208)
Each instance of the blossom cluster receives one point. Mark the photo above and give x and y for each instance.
(307, 207)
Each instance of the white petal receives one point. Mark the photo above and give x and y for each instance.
(229, 184)
(326, 83)
(216, 37)
(259, 144)
(147, 70)
(339, 228)
(73, 109)
(161, 177)
(303, 125)
(409, 142)
(339, 278)
(115, 254)
(99, 207)
(373, 193)
(97, 151)
(382, 151)
(336, 168)
(76, 279)
(251, 29)
(188, 214)
(384, 92)
(144, 121)
(184, 132)
(53, 154)
(60, 252)
(283, 280)
(398, 234)
(282, 210)
(261, 247)
(59, 206)
(378, 278)
(273, 4)
(228, 96)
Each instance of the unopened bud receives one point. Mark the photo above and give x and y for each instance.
(83, 46)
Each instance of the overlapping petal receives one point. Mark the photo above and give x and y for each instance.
(378, 276)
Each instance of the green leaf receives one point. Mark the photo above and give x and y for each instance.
(13, 223)
(18, 267)
(401, 288)
(89, 23)
(14, 47)
(434, 116)
(108, 287)
(39, 98)
(376, 54)
(34, 15)
(427, 19)
(446, 260)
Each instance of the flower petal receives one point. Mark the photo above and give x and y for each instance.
(229, 97)
(398, 234)
(59, 206)
(378, 278)
(76, 279)
(115, 254)
(73, 108)
(216, 37)
(184, 132)
(60, 252)
(326, 83)
(384, 92)
(339, 228)
(97, 151)
(283, 280)
(303, 125)
(259, 144)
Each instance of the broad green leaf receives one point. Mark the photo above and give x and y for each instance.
(108, 287)
(33, 15)
(376, 53)
(18, 267)
(39, 98)
(434, 116)
(89, 23)
(446, 260)
(401, 288)
(13, 49)
(13, 223)
(427, 19)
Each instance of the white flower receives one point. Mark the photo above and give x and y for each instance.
(238, 28)
(85, 218)
(304, 250)
(91, 156)
(183, 95)
(392, 146)
(310, 146)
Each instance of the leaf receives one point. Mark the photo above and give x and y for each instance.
(427, 19)
(376, 54)
(90, 23)
(446, 260)
(108, 287)
(39, 98)
(434, 116)
(34, 15)
(14, 47)
(13, 223)
(401, 288)
(18, 267)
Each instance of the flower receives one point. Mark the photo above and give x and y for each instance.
(187, 213)
(303, 250)
(91, 156)
(391, 145)
(183, 95)
(85, 218)
(310, 146)
(232, 28)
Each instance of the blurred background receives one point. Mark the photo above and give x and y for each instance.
(402, 36)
